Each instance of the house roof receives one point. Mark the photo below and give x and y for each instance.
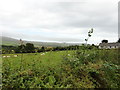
(109, 44)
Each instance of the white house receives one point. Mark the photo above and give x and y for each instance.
(109, 45)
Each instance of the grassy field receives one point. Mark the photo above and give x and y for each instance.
(47, 59)
(62, 69)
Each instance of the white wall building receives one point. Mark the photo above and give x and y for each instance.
(109, 45)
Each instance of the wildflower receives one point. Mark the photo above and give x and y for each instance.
(74, 60)
(88, 55)
(68, 54)
(15, 55)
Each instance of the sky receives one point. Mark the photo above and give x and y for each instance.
(59, 20)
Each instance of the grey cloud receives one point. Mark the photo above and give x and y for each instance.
(66, 15)
(75, 15)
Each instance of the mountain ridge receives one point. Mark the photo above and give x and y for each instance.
(16, 42)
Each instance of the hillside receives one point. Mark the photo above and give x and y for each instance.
(16, 42)
(9, 41)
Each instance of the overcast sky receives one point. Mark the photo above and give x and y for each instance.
(59, 20)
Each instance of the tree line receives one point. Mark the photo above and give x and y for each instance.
(30, 48)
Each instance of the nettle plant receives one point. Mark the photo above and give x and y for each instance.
(83, 55)
(89, 35)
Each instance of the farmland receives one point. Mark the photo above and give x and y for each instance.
(62, 69)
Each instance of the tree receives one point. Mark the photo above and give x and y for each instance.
(29, 47)
(118, 40)
(20, 49)
(22, 46)
(42, 49)
(104, 41)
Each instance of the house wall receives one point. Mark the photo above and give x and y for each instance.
(108, 47)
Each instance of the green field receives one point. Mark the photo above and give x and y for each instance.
(62, 69)
(47, 59)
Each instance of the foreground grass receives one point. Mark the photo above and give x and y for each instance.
(62, 69)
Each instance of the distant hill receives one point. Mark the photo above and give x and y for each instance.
(9, 41)
(16, 42)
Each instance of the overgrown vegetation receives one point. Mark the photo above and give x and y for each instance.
(81, 68)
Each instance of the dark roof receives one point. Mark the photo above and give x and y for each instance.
(109, 44)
